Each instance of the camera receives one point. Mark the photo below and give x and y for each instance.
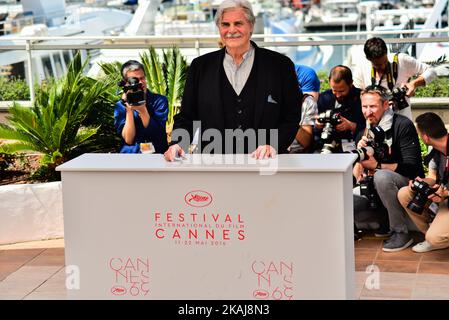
(135, 95)
(398, 98)
(422, 192)
(368, 190)
(330, 118)
(375, 146)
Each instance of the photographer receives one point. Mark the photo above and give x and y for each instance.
(304, 137)
(433, 133)
(308, 80)
(140, 115)
(343, 98)
(402, 163)
(392, 71)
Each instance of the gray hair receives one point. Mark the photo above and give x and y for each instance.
(375, 89)
(233, 4)
(131, 65)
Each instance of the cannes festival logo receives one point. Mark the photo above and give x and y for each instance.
(198, 198)
(118, 290)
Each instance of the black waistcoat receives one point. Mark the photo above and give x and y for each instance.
(239, 109)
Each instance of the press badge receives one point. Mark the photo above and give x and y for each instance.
(347, 146)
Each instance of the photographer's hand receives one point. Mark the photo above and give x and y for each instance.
(411, 88)
(440, 194)
(370, 163)
(362, 142)
(129, 129)
(318, 124)
(143, 114)
(413, 85)
(346, 125)
(357, 172)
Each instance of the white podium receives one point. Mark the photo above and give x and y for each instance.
(138, 227)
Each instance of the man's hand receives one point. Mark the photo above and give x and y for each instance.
(346, 125)
(411, 89)
(264, 152)
(173, 152)
(410, 183)
(362, 142)
(141, 110)
(370, 163)
(440, 194)
(430, 181)
(357, 171)
(318, 124)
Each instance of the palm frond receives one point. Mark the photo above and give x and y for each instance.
(176, 66)
(84, 134)
(16, 147)
(54, 125)
(111, 68)
(153, 69)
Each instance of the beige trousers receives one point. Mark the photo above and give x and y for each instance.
(437, 233)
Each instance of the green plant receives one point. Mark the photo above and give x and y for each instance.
(324, 80)
(54, 125)
(166, 78)
(101, 116)
(13, 89)
(424, 151)
(437, 88)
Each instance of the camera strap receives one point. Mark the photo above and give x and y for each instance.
(391, 73)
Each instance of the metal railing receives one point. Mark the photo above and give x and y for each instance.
(205, 41)
(29, 44)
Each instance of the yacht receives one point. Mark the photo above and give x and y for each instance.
(184, 23)
(405, 17)
(54, 18)
(329, 14)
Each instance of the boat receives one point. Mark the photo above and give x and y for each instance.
(404, 17)
(287, 22)
(187, 21)
(55, 19)
(332, 14)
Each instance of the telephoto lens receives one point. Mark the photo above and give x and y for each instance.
(362, 153)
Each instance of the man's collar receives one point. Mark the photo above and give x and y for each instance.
(246, 54)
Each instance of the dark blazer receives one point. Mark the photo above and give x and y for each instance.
(405, 149)
(277, 95)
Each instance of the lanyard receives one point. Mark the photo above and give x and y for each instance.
(391, 72)
(388, 73)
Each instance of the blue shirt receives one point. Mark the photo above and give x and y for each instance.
(307, 78)
(155, 133)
